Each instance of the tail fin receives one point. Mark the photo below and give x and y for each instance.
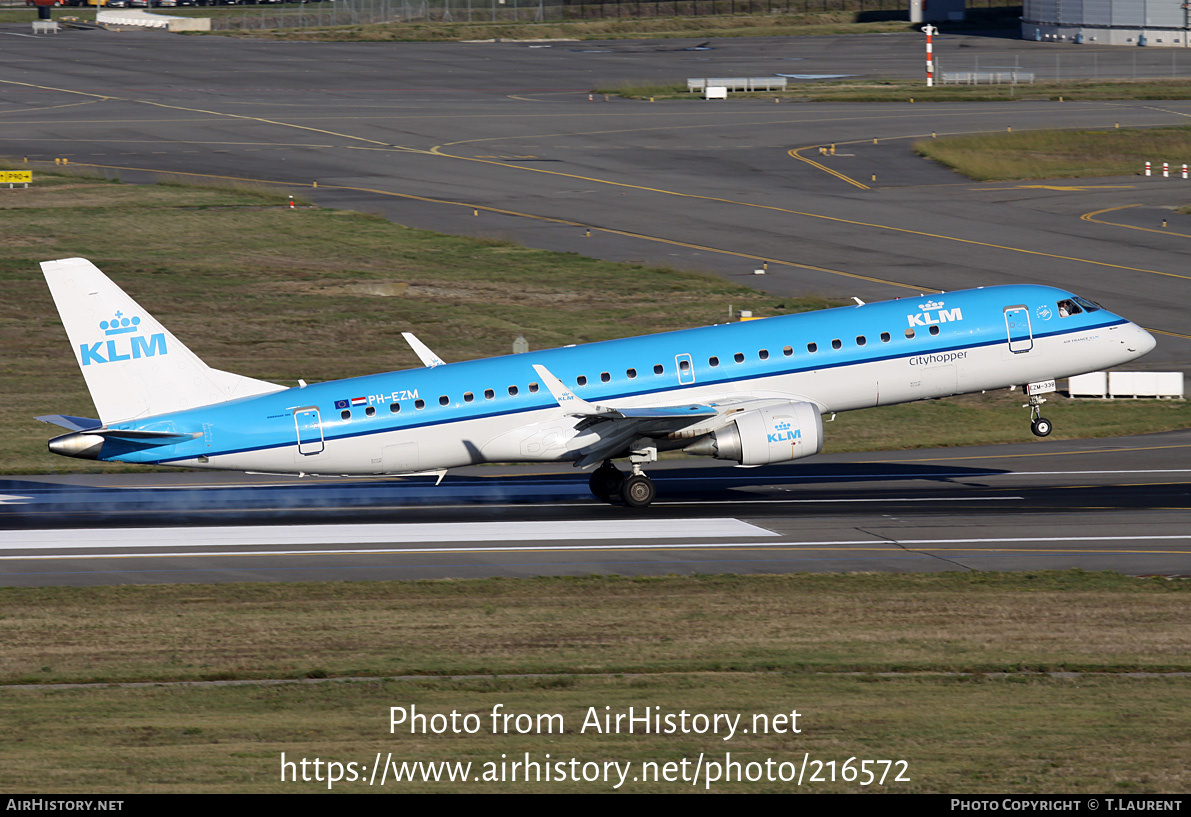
(134, 366)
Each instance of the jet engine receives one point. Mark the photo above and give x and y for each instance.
(788, 431)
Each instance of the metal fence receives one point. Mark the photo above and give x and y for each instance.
(1044, 65)
(367, 12)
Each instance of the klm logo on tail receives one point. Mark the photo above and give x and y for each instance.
(117, 348)
(783, 433)
(924, 318)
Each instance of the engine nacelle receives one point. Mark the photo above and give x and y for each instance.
(779, 433)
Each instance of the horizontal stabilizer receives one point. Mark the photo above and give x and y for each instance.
(69, 422)
(150, 437)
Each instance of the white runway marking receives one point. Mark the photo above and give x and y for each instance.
(560, 531)
(913, 545)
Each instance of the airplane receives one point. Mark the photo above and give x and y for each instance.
(749, 392)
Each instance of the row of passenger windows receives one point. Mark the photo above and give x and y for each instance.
(468, 397)
(605, 377)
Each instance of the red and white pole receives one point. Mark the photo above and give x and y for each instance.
(930, 58)
(1147, 168)
(1166, 170)
(1184, 171)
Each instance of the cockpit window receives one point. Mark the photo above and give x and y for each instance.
(1068, 307)
(1089, 306)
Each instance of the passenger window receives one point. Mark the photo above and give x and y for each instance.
(468, 397)
(884, 337)
(738, 357)
(659, 369)
(370, 411)
(934, 330)
(533, 388)
(581, 380)
(444, 401)
(812, 347)
(788, 351)
(684, 365)
(909, 333)
(419, 404)
(345, 414)
(512, 391)
(489, 394)
(763, 354)
(713, 362)
(394, 407)
(861, 340)
(605, 377)
(837, 343)
(632, 373)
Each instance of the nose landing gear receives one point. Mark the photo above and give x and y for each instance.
(1038, 424)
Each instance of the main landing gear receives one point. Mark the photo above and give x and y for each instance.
(636, 490)
(1038, 424)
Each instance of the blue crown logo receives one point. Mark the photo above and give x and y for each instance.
(931, 305)
(120, 325)
(782, 426)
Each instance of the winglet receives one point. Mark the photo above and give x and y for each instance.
(567, 399)
(428, 358)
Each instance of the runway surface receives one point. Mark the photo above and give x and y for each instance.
(500, 139)
(1120, 504)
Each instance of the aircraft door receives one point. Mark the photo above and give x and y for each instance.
(310, 430)
(1017, 325)
(686, 369)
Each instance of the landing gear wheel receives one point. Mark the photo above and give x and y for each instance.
(1041, 427)
(606, 482)
(638, 491)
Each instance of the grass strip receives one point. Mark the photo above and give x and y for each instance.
(1055, 154)
(949, 622)
(706, 644)
(974, 735)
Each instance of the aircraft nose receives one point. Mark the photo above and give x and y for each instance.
(1142, 341)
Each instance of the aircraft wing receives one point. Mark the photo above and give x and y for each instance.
(578, 407)
(618, 426)
(428, 358)
(612, 429)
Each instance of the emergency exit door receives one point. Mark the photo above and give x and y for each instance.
(1017, 325)
(310, 431)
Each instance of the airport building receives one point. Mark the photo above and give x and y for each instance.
(1159, 23)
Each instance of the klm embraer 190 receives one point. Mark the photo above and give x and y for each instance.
(750, 392)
